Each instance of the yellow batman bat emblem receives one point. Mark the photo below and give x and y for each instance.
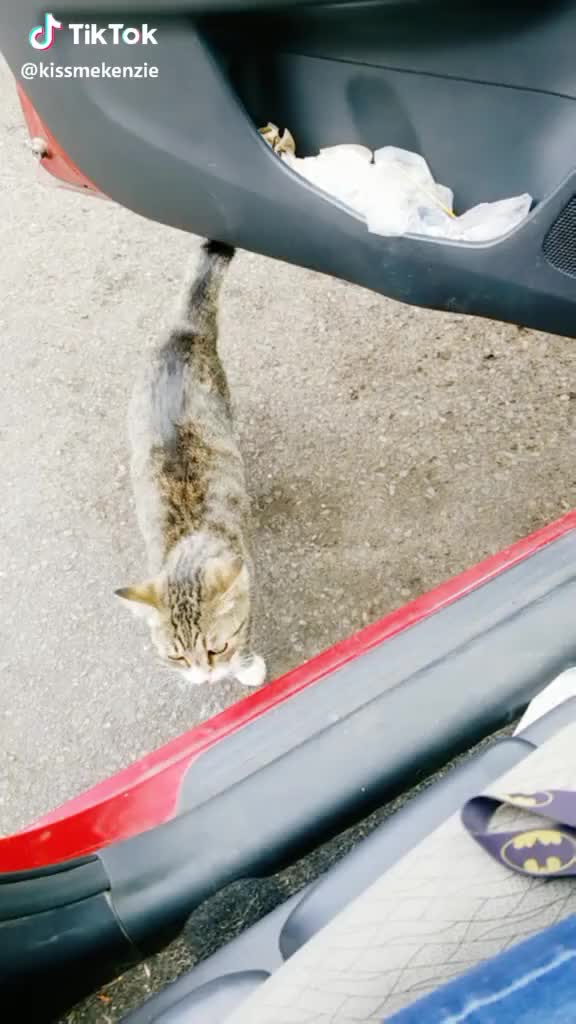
(551, 851)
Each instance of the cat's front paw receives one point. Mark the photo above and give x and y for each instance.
(253, 673)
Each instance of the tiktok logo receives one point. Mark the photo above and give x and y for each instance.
(42, 37)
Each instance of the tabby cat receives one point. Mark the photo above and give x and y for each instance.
(190, 493)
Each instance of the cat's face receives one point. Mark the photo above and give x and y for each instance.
(199, 625)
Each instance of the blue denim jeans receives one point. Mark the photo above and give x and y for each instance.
(532, 983)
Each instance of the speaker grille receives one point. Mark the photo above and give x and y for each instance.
(560, 242)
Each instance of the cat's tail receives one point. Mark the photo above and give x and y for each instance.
(201, 305)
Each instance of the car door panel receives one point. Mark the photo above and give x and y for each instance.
(487, 95)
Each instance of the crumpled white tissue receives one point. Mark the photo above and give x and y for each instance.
(395, 192)
(342, 171)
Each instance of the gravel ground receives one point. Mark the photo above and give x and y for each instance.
(387, 448)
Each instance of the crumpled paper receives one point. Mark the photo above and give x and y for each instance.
(281, 143)
(394, 191)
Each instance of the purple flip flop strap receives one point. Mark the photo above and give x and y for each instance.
(539, 852)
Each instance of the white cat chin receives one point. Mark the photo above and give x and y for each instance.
(198, 676)
(195, 676)
(251, 673)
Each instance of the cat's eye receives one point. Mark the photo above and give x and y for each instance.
(214, 653)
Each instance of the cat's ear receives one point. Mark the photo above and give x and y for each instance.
(222, 573)
(226, 581)
(142, 599)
